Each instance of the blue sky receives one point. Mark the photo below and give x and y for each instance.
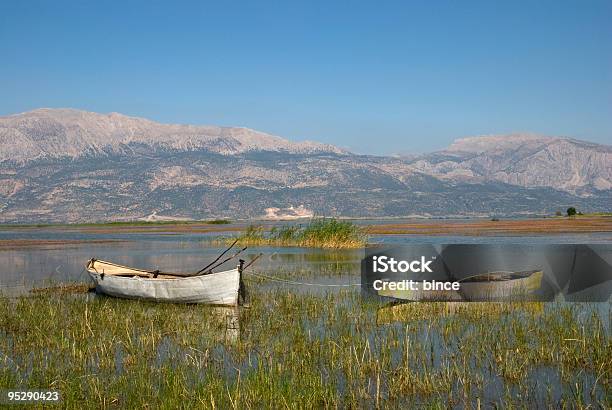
(374, 77)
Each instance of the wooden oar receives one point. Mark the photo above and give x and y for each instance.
(251, 261)
(218, 257)
(225, 260)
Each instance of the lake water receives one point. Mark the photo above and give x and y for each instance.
(22, 267)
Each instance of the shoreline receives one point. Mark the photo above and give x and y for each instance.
(468, 228)
(379, 226)
(541, 226)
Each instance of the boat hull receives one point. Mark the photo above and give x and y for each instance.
(517, 289)
(220, 288)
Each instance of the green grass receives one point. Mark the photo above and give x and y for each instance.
(301, 350)
(319, 233)
(219, 222)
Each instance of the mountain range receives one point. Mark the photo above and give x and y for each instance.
(65, 165)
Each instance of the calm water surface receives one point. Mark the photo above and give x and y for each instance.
(27, 266)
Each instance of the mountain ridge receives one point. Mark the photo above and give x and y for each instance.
(527, 160)
(72, 133)
(70, 165)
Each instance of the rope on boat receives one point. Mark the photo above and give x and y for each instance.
(293, 282)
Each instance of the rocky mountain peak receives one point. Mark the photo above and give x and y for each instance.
(57, 133)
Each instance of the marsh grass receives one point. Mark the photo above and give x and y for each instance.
(305, 350)
(318, 233)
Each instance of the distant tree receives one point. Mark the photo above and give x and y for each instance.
(558, 213)
(571, 211)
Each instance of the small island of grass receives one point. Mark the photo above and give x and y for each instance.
(319, 233)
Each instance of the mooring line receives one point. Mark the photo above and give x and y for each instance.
(293, 282)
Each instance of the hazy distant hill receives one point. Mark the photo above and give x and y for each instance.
(69, 165)
(525, 160)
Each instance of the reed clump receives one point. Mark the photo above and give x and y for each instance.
(319, 233)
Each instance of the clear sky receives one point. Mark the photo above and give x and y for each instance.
(375, 77)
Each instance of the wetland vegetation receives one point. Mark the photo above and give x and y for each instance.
(318, 233)
(296, 346)
(315, 349)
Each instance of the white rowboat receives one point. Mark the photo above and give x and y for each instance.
(492, 286)
(219, 288)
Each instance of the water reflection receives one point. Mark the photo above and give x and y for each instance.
(229, 317)
(409, 312)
